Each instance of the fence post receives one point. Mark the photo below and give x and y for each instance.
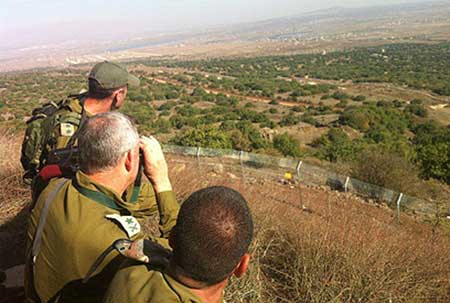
(241, 153)
(299, 167)
(399, 200)
(347, 180)
(299, 176)
(198, 157)
(241, 161)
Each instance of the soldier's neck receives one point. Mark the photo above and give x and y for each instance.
(211, 294)
(208, 294)
(95, 106)
(111, 179)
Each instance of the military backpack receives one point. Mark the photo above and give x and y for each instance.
(38, 136)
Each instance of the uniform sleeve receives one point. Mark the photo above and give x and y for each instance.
(168, 212)
(145, 206)
(148, 204)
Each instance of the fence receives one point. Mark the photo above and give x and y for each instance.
(306, 174)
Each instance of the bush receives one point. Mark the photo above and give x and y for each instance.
(432, 144)
(298, 109)
(341, 96)
(287, 145)
(167, 106)
(205, 136)
(289, 120)
(252, 134)
(336, 145)
(359, 98)
(162, 126)
(384, 168)
(240, 141)
(417, 109)
(307, 118)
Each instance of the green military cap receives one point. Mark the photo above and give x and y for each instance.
(112, 75)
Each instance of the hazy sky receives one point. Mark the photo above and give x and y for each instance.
(26, 19)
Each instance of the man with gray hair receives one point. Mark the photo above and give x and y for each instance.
(74, 222)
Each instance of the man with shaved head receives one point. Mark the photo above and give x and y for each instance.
(210, 244)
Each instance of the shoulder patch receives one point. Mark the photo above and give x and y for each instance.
(67, 129)
(128, 223)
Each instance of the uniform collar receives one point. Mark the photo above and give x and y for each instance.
(97, 192)
(183, 292)
(75, 105)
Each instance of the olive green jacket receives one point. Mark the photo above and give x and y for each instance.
(76, 233)
(61, 126)
(139, 283)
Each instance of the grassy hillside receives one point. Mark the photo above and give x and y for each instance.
(341, 249)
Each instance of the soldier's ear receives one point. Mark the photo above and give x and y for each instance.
(242, 267)
(129, 160)
(121, 93)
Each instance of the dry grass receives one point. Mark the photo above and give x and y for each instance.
(13, 194)
(344, 250)
(14, 197)
(340, 250)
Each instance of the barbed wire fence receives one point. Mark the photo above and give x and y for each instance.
(251, 166)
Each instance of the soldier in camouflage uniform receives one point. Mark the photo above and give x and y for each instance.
(210, 243)
(75, 221)
(108, 87)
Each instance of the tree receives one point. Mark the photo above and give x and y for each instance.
(289, 120)
(240, 141)
(379, 166)
(416, 109)
(336, 145)
(205, 136)
(287, 145)
(252, 134)
(432, 144)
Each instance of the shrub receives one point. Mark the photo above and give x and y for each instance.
(252, 133)
(359, 98)
(432, 144)
(307, 118)
(298, 109)
(289, 120)
(336, 145)
(287, 145)
(167, 106)
(205, 136)
(416, 109)
(340, 96)
(376, 165)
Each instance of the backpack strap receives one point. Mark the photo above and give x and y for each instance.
(83, 119)
(37, 241)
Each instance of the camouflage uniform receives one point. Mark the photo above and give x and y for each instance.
(76, 232)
